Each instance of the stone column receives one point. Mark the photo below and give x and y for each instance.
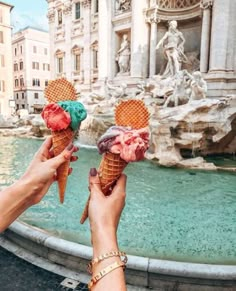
(104, 36)
(153, 20)
(139, 40)
(219, 37)
(206, 5)
(51, 21)
(87, 42)
(67, 10)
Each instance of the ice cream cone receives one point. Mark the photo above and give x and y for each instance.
(130, 113)
(61, 90)
(61, 139)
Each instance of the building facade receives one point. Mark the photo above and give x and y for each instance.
(6, 83)
(31, 68)
(92, 41)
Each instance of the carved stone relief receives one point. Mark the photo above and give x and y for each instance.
(123, 5)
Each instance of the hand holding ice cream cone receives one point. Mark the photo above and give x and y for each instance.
(63, 115)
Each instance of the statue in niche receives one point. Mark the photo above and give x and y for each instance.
(123, 5)
(173, 44)
(123, 56)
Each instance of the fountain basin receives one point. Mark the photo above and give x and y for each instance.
(141, 271)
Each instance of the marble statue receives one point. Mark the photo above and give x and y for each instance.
(198, 86)
(173, 44)
(116, 92)
(123, 5)
(181, 93)
(123, 56)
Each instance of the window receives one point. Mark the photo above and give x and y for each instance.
(17, 96)
(22, 95)
(1, 16)
(36, 95)
(34, 49)
(16, 83)
(95, 6)
(15, 67)
(46, 83)
(15, 51)
(77, 63)
(2, 86)
(1, 37)
(46, 67)
(60, 65)
(95, 59)
(35, 65)
(2, 60)
(23, 106)
(21, 50)
(45, 51)
(59, 16)
(21, 82)
(36, 82)
(21, 66)
(77, 10)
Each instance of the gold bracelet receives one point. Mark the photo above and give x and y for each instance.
(104, 272)
(105, 256)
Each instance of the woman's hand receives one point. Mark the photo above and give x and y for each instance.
(41, 172)
(105, 212)
(104, 215)
(34, 184)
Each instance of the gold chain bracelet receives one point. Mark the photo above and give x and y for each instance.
(106, 256)
(104, 272)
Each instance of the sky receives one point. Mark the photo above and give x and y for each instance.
(29, 13)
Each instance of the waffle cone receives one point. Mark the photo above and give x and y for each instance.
(60, 90)
(110, 169)
(60, 140)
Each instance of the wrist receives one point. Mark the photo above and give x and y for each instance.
(104, 240)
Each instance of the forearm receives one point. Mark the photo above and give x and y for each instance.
(115, 280)
(14, 200)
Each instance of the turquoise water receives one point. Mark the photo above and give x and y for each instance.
(170, 214)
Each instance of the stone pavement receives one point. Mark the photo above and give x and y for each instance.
(19, 275)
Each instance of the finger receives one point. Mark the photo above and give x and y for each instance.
(94, 182)
(62, 157)
(45, 147)
(73, 158)
(120, 187)
(76, 149)
(70, 171)
(51, 154)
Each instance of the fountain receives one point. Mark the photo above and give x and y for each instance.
(186, 235)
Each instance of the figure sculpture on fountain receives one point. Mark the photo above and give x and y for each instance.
(123, 56)
(173, 44)
(123, 5)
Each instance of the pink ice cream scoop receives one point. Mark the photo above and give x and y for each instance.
(131, 144)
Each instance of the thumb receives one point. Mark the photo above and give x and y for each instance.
(120, 187)
(63, 157)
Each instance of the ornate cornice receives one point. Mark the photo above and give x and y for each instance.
(86, 3)
(67, 8)
(206, 4)
(51, 15)
(152, 15)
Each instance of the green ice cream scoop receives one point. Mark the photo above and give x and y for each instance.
(76, 110)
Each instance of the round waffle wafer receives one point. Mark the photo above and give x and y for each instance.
(60, 90)
(132, 113)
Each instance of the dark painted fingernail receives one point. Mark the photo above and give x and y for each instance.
(93, 172)
(70, 147)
